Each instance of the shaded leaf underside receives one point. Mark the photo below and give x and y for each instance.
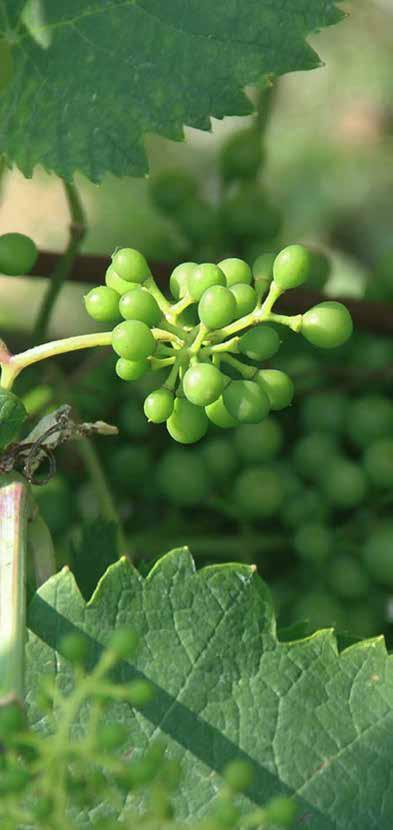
(313, 723)
(92, 78)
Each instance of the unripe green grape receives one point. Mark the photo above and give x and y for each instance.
(102, 304)
(370, 418)
(203, 277)
(347, 578)
(170, 189)
(241, 154)
(217, 307)
(182, 477)
(140, 693)
(74, 647)
(226, 814)
(258, 493)
(292, 267)
(219, 458)
(260, 343)
(115, 282)
(377, 553)
(18, 254)
(187, 423)
(378, 463)
(258, 442)
(238, 775)
(219, 415)
(306, 505)
(130, 265)
(262, 268)
(344, 483)
(110, 736)
(281, 811)
(311, 453)
(246, 401)
(178, 281)
(131, 369)
(313, 542)
(327, 325)
(325, 411)
(246, 299)
(236, 271)
(123, 643)
(159, 405)
(278, 386)
(197, 220)
(133, 340)
(139, 304)
(203, 383)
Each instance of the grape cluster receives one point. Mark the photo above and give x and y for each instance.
(215, 336)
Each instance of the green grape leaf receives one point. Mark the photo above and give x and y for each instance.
(314, 723)
(91, 80)
(12, 416)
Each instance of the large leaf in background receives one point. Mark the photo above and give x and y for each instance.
(92, 78)
(313, 722)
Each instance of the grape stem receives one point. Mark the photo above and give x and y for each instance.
(247, 372)
(178, 308)
(201, 336)
(14, 515)
(16, 363)
(294, 322)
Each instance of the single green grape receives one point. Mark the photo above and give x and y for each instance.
(178, 281)
(219, 415)
(241, 154)
(158, 406)
(203, 383)
(246, 299)
(327, 325)
(182, 477)
(129, 466)
(170, 189)
(259, 442)
(292, 267)
(347, 578)
(102, 304)
(262, 268)
(258, 493)
(238, 775)
(114, 281)
(18, 254)
(311, 453)
(75, 648)
(369, 418)
(131, 369)
(246, 401)
(378, 463)
(303, 506)
(124, 643)
(197, 221)
(236, 271)
(139, 304)
(377, 553)
(220, 459)
(217, 307)
(130, 265)
(344, 483)
(248, 214)
(203, 277)
(325, 411)
(260, 343)
(281, 811)
(133, 340)
(110, 736)
(313, 541)
(278, 386)
(187, 423)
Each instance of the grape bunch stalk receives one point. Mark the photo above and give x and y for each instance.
(214, 337)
